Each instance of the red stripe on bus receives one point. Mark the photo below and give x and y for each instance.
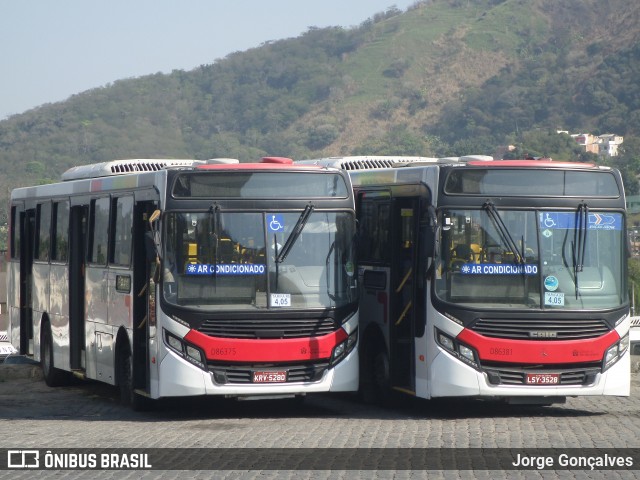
(529, 164)
(539, 351)
(258, 166)
(266, 350)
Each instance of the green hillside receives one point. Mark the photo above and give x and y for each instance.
(444, 77)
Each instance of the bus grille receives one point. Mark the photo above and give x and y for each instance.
(268, 328)
(517, 376)
(310, 372)
(540, 329)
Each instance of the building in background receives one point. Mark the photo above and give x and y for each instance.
(605, 145)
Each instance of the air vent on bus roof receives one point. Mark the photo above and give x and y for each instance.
(123, 167)
(369, 163)
(366, 162)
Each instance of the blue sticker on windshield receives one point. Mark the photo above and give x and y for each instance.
(498, 269)
(275, 222)
(225, 269)
(551, 283)
(568, 220)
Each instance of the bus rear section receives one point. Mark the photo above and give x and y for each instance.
(491, 279)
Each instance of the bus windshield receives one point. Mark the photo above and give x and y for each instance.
(516, 259)
(221, 260)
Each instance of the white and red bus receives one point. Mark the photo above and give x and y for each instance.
(181, 278)
(491, 279)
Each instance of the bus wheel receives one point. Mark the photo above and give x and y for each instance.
(128, 396)
(381, 379)
(374, 373)
(53, 377)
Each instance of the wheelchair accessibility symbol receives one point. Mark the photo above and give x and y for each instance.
(276, 222)
(548, 221)
(570, 220)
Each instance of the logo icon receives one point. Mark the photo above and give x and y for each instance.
(23, 459)
(543, 334)
(276, 222)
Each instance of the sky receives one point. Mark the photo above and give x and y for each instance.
(52, 49)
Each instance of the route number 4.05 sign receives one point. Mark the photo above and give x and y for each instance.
(280, 300)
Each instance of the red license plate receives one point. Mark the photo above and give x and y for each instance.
(543, 378)
(279, 376)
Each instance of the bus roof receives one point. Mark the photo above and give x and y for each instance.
(123, 167)
(258, 166)
(382, 162)
(133, 166)
(531, 164)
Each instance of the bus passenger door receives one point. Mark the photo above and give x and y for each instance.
(144, 266)
(77, 249)
(27, 235)
(403, 299)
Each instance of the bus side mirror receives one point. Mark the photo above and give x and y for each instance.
(152, 238)
(150, 247)
(428, 229)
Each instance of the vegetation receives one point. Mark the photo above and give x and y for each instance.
(445, 77)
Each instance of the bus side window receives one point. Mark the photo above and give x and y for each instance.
(43, 235)
(99, 231)
(122, 224)
(374, 231)
(60, 236)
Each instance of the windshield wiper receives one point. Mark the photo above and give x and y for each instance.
(580, 241)
(328, 274)
(504, 231)
(295, 233)
(214, 223)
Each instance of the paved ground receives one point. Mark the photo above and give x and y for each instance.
(89, 415)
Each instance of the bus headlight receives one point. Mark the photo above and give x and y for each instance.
(615, 352)
(194, 353)
(466, 352)
(344, 348)
(174, 342)
(187, 351)
(446, 341)
(624, 344)
(458, 349)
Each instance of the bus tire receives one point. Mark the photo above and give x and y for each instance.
(375, 382)
(128, 396)
(366, 389)
(53, 377)
(382, 379)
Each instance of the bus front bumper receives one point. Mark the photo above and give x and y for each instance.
(449, 377)
(178, 377)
